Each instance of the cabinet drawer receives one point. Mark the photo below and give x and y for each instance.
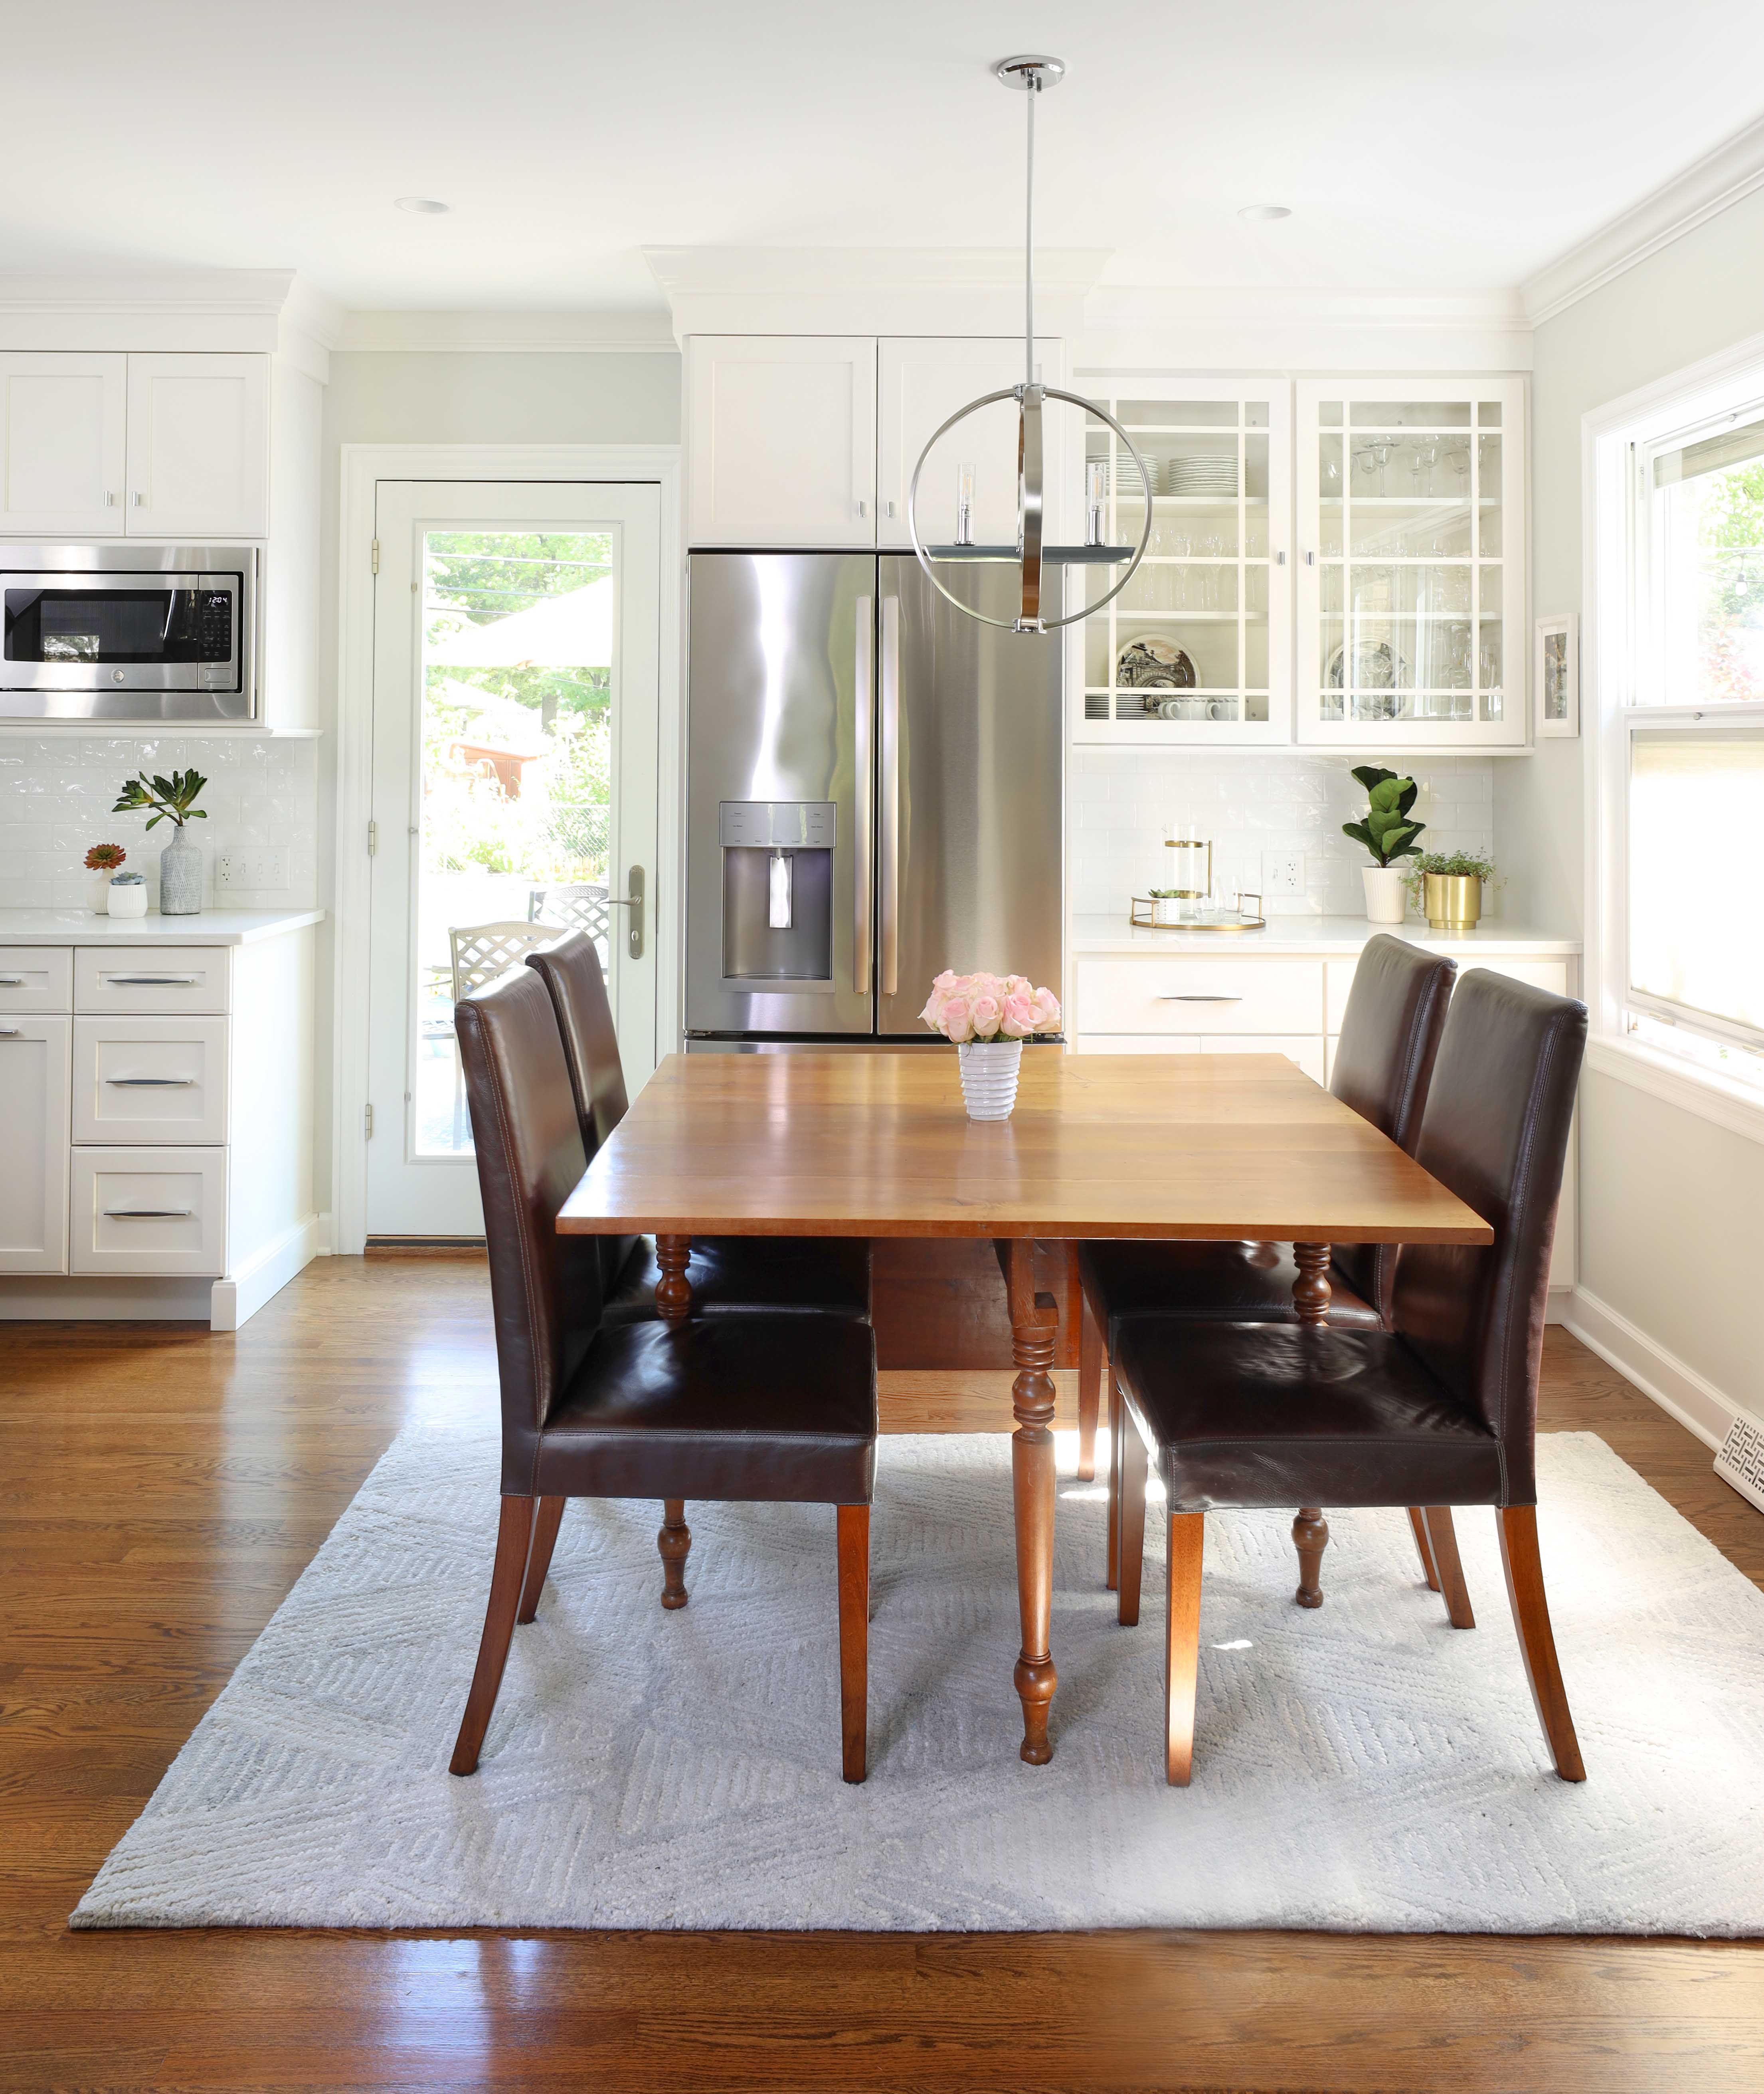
(149, 1210)
(1200, 996)
(36, 978)
(153, 978)
(149, 1079)
(1556, 976)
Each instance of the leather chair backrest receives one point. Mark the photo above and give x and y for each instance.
(570, 968)
(1495, 1131)
(1385, 1057)
(544, 1288)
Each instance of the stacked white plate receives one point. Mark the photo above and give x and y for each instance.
(1214, 476)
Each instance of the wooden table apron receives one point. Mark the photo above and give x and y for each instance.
(1220, 1148)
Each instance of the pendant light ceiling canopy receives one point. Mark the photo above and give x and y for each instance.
(1032, 74)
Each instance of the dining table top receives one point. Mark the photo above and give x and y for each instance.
(1210, 1146)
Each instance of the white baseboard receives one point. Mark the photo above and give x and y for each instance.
(237, 1299)
(91, 1297)
(1680, 1391)
(1557, 1307)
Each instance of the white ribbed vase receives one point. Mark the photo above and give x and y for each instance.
(180, 879)
(989, 1072)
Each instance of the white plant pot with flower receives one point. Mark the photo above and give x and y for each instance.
(988, 1016)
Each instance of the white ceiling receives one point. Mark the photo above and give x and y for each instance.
(1435, 144)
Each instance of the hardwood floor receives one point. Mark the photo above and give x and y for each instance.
(162, 1487)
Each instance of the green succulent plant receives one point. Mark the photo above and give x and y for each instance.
(170, 798)
(1386, 832)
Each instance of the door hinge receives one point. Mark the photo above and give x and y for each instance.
(373, 838)
(373, 554)
(367, 1122)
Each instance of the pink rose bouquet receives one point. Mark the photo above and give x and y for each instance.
(983, 1006)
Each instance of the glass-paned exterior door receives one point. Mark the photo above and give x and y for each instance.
(1197, 648)
(1411, 582)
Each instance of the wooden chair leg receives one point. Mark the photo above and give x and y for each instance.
(853, 1639)
(1443, 1537)
(539, 1557)
(1134, 1463)
(514, 1535)
(673, 1540)
(1418, 1527)
(1182, 1644)
(1531, 1617)
(1117, 1418)
(1310, 1538)
(1089, 1388)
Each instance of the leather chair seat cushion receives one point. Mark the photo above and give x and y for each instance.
(1249, 1282)
(1291, 1415)
(734, 1275)
(718, 1407)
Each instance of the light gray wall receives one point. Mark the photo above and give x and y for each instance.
(1672, 1207)
(456, 397)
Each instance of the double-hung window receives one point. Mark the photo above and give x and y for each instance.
(1690, 765)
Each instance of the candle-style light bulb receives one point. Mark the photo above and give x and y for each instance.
(1096, 497)
(964, 503)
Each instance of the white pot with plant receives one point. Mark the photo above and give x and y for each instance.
(988, 1016)
(180, 863)
(1389, 835)
(127, 895)
(1448, 886)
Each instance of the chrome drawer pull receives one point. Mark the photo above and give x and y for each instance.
(1200, 999)
(9, 1031)
(11, 981)
(151, 1083)
(151, 981)
(148, 1214)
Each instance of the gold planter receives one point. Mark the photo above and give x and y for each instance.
(1454, 901)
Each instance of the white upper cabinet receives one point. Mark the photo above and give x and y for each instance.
(1196, 650)
(62, 445)
(922, 383)
(1412, 578)
(198, 446)
(781, 440)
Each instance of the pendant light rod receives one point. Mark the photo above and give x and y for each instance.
(1029, 74)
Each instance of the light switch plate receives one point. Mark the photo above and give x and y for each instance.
(1282, 872)
(252, 866)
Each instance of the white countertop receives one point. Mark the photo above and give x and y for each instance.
(210, 926)
(1313, 937)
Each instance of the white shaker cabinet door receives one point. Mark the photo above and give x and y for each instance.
(780, 440)
(198, 447)
(33, 1141)
(62, 445)
(921, 384)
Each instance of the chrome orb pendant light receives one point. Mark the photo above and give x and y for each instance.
(1032, 74)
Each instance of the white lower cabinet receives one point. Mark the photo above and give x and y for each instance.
(33, 1144)
(1305, 1048)
(149, 1079)
(149, 1210)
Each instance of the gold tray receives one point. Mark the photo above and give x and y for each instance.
(1142, 909)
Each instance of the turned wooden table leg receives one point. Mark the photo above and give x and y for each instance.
(1311, 1289)
(673, 1541)
(1034, 1328)
(1310, 1530)
(673, 1290)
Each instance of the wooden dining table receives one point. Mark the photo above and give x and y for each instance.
(1223, 1148)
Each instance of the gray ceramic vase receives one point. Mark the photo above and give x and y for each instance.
(180, 879)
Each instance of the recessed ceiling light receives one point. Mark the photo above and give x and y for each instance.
(428, 207)
(1261, 212)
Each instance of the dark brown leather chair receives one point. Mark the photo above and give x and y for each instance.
(729, 1274)
(1385, 1057)
(771, 1408)
(1440, 1410)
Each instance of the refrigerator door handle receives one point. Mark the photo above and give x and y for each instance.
(864, 797)
(891, 794)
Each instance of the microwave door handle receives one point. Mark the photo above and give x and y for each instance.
(891, 794)
(863, 796)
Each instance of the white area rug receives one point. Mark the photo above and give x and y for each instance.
(1365, 1766)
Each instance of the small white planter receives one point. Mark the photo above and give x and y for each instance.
(989, 1072)
(129, 900)
(1386, 901)
(100, 902)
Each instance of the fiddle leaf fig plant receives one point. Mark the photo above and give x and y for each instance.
(171, 799)
(1386, 830)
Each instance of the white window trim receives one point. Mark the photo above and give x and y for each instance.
(1651, 412)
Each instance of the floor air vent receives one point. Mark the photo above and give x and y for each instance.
(1741, 1462)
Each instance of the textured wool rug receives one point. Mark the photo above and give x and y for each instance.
(1362, 1767)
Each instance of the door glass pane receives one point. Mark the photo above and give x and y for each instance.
(517, 630)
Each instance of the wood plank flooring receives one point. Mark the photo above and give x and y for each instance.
(161, 1489)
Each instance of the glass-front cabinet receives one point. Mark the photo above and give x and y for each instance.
(1411, 571)
(1197, 649)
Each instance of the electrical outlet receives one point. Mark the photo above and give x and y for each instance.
(252, 866)
(1282, 872)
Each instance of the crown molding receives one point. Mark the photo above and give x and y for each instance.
(871, 290)
(1703, 191)
(627, 333)
(168, 308)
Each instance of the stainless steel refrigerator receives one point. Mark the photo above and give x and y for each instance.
(875, 793)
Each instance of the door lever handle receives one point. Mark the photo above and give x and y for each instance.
(634, 902)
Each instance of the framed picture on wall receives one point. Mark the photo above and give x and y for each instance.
(1557, 678)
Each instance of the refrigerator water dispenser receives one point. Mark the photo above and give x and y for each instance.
(778, 891)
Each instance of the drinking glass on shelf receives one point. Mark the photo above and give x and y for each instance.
(1429, 454)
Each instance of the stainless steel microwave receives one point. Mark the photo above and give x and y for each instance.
(129, 633)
